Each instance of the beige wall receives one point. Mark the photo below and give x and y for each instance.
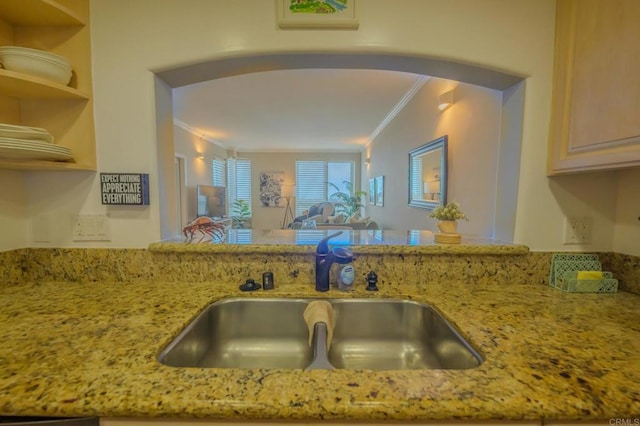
(13, 210)
(132, 39)
(472, 125)
(197, 171)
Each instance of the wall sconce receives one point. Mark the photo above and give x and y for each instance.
(200, 155)
(445, 100)
(367, 161)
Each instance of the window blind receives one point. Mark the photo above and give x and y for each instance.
(416, 179)
(239, 180)
(311, 184)
(218, 173)
(312, 179)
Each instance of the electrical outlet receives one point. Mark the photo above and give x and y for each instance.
(578, 230)
(91, 227)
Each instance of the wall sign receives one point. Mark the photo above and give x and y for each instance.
(125, 189)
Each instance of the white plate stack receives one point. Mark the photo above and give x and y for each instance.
(37, 63)
(30, 143)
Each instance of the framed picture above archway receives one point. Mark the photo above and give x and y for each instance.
(317, 14)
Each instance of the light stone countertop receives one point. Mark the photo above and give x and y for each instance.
(90, 349)
(370, 241)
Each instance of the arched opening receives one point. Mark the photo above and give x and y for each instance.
(507, 153)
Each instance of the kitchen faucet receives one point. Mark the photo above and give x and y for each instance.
(324, 260)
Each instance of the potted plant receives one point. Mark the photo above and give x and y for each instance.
(448, 216)
(349, 203)
(240, 214)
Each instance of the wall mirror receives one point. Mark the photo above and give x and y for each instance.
(428, 174)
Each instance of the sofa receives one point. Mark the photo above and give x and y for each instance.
(319, 212)
(326, 218)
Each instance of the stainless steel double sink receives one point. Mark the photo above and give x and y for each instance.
(372, 334)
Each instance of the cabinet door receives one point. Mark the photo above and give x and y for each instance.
(596, 110)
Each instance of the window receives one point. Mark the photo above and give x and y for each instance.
(240, 236)
(312, 179)
(338, 174)
(218, 172)
(239, 181)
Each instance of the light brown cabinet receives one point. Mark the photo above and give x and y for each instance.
(61, 27)
(595, 121)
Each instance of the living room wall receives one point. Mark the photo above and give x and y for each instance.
(472, 124)
(198, 171)
(271, 217)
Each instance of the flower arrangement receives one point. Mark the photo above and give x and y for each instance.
(450, 211)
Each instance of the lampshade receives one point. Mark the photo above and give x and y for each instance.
(432, 187)
(288, 191)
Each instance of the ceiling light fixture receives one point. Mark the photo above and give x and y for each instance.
(445, 100)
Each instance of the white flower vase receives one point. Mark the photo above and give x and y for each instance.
(448, 226)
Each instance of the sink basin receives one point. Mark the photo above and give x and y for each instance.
(244, 333)
(374, 334)
(382, 334)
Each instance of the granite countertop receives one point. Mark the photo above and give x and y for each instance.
(370, 241)
(90, 349)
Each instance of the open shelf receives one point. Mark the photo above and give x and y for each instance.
(38, 12)
(43, 165)
(61, 27)
(24, 86)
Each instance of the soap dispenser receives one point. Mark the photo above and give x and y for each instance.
(344, 274)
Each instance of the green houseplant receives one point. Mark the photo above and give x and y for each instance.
(448, 216)
(349, 203)
(240, 214)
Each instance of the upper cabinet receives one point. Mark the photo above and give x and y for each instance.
(595, 121)
(60, 27)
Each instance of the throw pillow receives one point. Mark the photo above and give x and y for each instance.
(314, 210)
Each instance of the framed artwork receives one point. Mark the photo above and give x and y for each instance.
(380, 191)
(271, 188)
(372, 191)
(317, 14)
